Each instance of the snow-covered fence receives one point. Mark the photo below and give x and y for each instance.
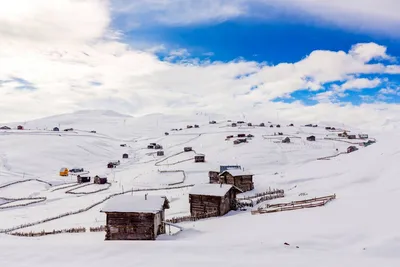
(35, 200)
(68, 185)
(87, 208)
(24, 181)
(269, 192)
(252, 203)
(172, 171)
(87, 193)
(191, 218)
(100, 228)
(333, 156)
(54, 232)
(158, 163)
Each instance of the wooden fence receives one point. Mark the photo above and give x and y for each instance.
(35, 200)
(172, 171)
(268, 192)
(24, 181)
(251, 203)
(87, 193)
(191, 218)
(54, 232)
(294, 205)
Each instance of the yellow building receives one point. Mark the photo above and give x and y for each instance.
(64, 172)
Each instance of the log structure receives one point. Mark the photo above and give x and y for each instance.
(237, 177)
(135, 217)
(212, 199)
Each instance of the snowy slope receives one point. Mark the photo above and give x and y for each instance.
(359, 228)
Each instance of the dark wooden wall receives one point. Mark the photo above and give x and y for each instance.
(202, 204)
(134, 226)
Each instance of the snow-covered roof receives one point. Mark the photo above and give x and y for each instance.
(218, 190)
(236, 172)
(132, 203)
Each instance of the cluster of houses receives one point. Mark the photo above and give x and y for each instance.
(113, 164)
(241, 138)
(131, 217)
(154, 146)
(192, 126)
(83, 177)
(19, 127)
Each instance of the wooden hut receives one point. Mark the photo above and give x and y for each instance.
(130, 217)
(241, 135)
(100, 179)
(160, 153)
(233, 124)
(82, 179)
(125, 156)
(286, 140)
(278, 126)
(166, 133)
(122, 145)
(5, 128)
(187, 149)
(196, 126)
(56, 129)
(311, 138)
(212, 199)
(249, 124)
(214, 177)
(352, 136)
(199, 158)
(189, 126)
(262, 124)
(239, 178)
(20, 127)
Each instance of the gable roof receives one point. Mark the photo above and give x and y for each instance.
(218, 190)
(130, 203)
(236, 172)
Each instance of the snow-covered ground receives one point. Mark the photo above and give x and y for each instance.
(358, 228)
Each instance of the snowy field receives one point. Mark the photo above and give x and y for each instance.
(359, 228)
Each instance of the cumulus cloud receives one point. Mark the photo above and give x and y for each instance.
(43, 73)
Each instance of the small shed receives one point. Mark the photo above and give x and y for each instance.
(262, 124)
(160, 153)
(311, 138)
(196, 126)
(271, 126)
(166, 133)
(241, 135)
(352, 136)
(229, 137)
(158, 146)
(93, 131)
(291, 125)
(56, 129)
(187, 149)
(286, 140)
(100, 179)
(122, 145)
(351, 149)
(82, 179)
(328, 128)
(239, 178)
(278, 126)
(199, 158)
(212, 199)
(131, 217)
(111, 165)
(64, 172)
(233, 124)
(250, 136)
(236, 142)
(150, 147)
(125, 156)
(363, 136)
(308, 125)
(189, 126)
(249, 124)
(20, 127)
(212, 122)
(68, 130)
(5, 128)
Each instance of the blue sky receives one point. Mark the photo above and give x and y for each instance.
(272, 42)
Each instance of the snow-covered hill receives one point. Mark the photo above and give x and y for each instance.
(358, 228)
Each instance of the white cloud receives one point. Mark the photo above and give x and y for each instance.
(85, 70)
(360, 15)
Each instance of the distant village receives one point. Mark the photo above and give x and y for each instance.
(133, 217)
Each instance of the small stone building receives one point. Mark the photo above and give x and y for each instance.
(82, 179)
(311, 138)
(130, 217)
(200, 158)
(100, 179)
(212, 199)
(237, 177)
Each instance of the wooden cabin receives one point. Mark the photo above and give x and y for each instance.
(187, 149)
(132, 217)
(291, 125)
(82, 179)
(166, 133)
(351, 149)
(5, 128)
(56, 129)
(212, 199)
(20, 127)
(214, 177)
(352, 136)
(189, 126)
(233, 124)
(212, 122)
(100, 179)
(199, 158)
(125, 156)
(122, 145)
(64, 172)
(286, 140)
(241, 135)
(150, 147)
(271, 126)
(111, 165)
(278, 126)
(239, 178)
(249, 124)
(158, 147)
(160, 153)
(311, 138)
(196, 126)
(262, 124)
